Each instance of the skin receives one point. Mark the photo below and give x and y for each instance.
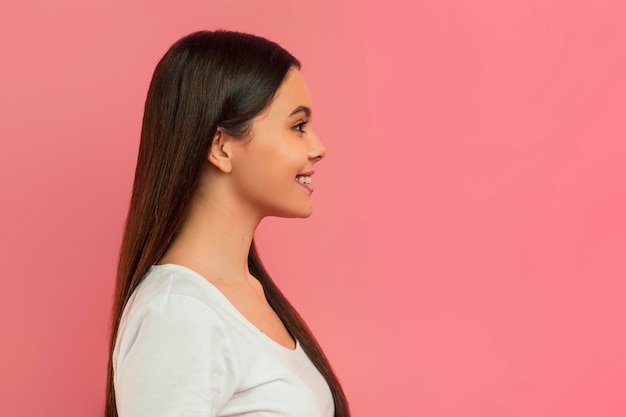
(245, 180)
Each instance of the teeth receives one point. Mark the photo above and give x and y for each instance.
(303, 180)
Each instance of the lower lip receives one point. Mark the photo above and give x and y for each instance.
(307, 186)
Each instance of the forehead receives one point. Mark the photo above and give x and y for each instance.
(291, 94)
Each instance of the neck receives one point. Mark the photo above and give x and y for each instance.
(214, 240)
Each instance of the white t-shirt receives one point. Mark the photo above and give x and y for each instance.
(184, 350)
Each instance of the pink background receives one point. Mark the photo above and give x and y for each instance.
(467, 254)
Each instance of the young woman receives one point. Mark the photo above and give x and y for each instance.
(199, 327)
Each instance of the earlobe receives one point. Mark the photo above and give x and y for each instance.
(219, 153)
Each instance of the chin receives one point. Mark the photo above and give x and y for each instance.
(306, 213)
(302, 213)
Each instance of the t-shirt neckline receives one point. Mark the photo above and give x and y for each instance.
(227, 304)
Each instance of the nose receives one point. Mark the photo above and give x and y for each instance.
(317, 150)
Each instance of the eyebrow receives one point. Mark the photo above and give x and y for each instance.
(305, 109)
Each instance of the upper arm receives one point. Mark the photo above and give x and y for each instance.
(173, 359)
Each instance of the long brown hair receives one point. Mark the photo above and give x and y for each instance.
(206, 80)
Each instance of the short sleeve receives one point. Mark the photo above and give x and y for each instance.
(173, 359)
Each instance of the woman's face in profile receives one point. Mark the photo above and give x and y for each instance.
(272, 170)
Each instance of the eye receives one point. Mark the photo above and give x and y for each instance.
(300, 126)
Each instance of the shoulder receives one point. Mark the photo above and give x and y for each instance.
(171, 333)
(171, 300)
(171, 282)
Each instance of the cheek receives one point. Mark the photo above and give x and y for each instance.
(275, 156)
(266, 169)
(285, 154)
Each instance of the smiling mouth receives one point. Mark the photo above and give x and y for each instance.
(305, 181)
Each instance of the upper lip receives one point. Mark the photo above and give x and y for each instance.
(306, 174)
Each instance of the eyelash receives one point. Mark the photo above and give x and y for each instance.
(298, 127)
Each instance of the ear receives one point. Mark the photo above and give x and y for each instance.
(220, 153)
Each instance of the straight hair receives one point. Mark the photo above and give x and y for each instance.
(204, 81)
